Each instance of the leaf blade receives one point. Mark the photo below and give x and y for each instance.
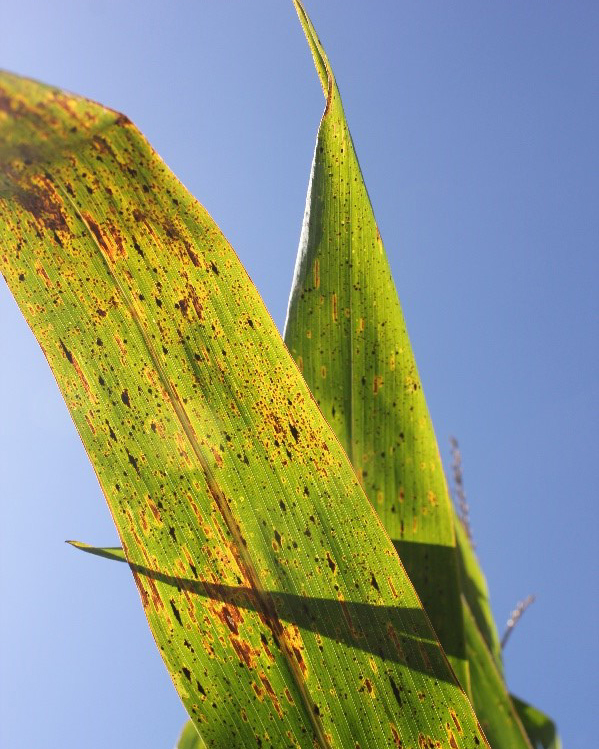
(186, 400)
(190, 738)
(493, 705)
(541, 730)
(346, 330)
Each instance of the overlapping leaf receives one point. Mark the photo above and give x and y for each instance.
(276, 598)
(491, 700)
(541, 730)
(346, 331)
(476, 592)
(190, 738)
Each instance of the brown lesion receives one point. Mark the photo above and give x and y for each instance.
(271, 693)
(39, 198)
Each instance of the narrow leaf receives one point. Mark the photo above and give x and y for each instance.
(190, 738)
(476, 592)
(492, 703)
(346, 330)
(115, 553)
(541, 730)
(274, 595)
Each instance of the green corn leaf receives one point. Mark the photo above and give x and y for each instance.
(346, 330)
(274, 595)
(505, 719)
(493, 705)
(190, 738)
(115, 553)
(541, 730)
(476, 592)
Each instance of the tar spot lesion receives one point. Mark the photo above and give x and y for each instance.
(176, 614)
(125, 398)
(66, 351)
(133, 462)
(331, 563)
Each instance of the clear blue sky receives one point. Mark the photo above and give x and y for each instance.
(476, 126)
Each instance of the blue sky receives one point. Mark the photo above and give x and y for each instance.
(476, 127)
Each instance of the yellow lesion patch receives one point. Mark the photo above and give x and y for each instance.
(154, 510)
(457, 723)
(316, 274)
(271, 693)
(41, 272)
(452, 742)
(396, 737)
(90, 422)
(334, 307)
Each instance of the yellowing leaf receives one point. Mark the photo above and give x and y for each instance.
(275, 596)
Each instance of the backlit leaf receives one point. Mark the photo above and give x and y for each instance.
(346, 330)
(541, 730)
(492, 703)
(275, 596)
(476, 592)
(190, 738)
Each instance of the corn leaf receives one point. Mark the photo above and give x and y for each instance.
(346, 330)
(274, 595)
(190, 738)
(541, 730)
(476, 592)
(496, 712)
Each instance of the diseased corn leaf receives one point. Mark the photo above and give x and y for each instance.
(190, 738)
(476, 592)
(275, 596)
(492, 703)
(541, 730)
(346, 330)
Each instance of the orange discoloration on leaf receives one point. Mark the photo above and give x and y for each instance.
(154, 509)
(123, 243)
(456, 721)
(270, 692)
(396, 737)
(372, 382)
(316, 274)
(393, 636)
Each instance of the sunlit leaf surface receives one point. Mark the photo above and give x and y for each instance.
(274, 595)
(346, 330)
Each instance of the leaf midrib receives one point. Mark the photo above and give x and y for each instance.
(262, 597)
